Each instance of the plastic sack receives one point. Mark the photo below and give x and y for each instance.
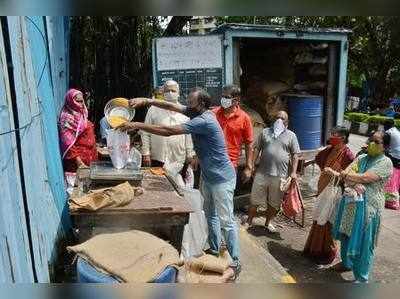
(135, 158)
(292, 202)
(174, 169)
(118, 144)
(70, 178)
(326, 202)
(195, 233)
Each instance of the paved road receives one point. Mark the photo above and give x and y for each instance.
(286, 247)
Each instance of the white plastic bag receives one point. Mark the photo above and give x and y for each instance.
(70, 178)
(118, 144)
(174, 169)
(196, 231)
(135, 157)
(326, 202)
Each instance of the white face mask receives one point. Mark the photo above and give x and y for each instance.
(279, 127)
(171, 96)
(226, 103)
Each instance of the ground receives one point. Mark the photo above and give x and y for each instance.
(278, 257)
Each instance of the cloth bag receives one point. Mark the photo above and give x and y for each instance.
(132, 256)
(205, 269)
(326, 202)
(117, 196)
(292, 201)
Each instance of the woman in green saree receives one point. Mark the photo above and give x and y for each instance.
(358, 216)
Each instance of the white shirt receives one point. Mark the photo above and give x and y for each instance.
(172, 148)
(394, 149)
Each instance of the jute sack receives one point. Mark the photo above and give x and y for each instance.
(132, 256)
(117, 196)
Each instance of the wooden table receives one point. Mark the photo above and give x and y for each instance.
(160, 211)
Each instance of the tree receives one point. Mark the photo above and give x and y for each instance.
(111, 56)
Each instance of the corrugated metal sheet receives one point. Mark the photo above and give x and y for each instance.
(40, 78)
(15, 261)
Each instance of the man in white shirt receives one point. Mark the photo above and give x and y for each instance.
(394, 133)
(157, 150)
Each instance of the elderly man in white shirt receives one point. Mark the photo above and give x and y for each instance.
(158, 150)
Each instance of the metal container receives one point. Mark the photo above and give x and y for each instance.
(305, 119)
(103, 172)
(118, 108)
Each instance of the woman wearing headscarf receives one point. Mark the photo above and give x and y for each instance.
(358, 215)
(77, 137)
(320, 245)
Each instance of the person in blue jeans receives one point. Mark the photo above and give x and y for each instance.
(218, 177)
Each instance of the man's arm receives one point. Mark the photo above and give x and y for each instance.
(256, 154)
(248, 171)
(248, 140)
(153, 129)
(141, 102)
(146, 137)
(249, 155)
(295, 163)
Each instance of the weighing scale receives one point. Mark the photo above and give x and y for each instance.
(104, 173)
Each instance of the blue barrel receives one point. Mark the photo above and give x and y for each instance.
(305, 119)
(88, 274)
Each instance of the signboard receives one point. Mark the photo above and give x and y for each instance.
(192, 61)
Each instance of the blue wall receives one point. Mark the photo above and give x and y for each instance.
(15, 261)
(39, 59)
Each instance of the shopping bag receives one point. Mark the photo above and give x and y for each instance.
(326, 202)
(292, 201)
(118, 144)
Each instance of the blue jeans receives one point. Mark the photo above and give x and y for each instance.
(218, 208)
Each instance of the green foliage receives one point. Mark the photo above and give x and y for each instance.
(377, 119)
(369, 119)
(111, 56)
(357, 117)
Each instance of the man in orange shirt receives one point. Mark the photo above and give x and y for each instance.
(237, 128)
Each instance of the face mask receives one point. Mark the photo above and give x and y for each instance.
(373, 149)
(334, 140)
(192, 112)
(171, 96)
(226, 103)
(279, 127)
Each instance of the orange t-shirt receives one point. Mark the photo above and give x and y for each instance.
(237, 129)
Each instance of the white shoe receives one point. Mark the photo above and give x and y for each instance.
(271, 228)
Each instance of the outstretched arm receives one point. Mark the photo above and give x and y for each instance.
(141, 102)
(153, 129)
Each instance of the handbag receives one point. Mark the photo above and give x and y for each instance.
(292, 202)
(326, 202)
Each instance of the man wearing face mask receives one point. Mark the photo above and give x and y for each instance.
(157, 150)
(237, 128)
(218, 175)
(279, 149)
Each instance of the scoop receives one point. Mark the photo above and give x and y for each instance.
(117, 112)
